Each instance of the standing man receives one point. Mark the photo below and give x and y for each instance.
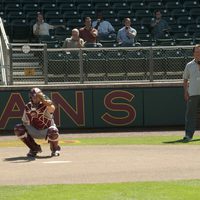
(41, 28)
(159, 26)
(89, 34)
(37, 122)
(105, 29)
(126, 35)
(191, 84)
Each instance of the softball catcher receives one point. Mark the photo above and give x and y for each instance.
(37, 122)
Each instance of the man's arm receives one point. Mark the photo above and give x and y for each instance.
(185, 87)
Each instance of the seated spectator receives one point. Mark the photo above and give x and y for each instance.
(41, 29)
(89, 34)
(126, 35)
(159, 26)
(74, 41)
(104, 27)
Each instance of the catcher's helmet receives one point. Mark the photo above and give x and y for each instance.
(33, 92)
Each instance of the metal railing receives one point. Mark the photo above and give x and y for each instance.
(35, 64)
(4, 54)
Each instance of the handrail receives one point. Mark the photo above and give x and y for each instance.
(4, 55)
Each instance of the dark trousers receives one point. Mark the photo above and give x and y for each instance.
(191, 115)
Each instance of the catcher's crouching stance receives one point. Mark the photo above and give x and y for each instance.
(38, 123)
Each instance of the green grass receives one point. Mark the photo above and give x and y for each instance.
(174, 190)
(133, 140)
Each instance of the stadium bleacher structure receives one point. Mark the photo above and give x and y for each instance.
(182, 16)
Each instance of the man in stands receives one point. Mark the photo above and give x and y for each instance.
(104, 27)
(74, 41)
(37, 122)
(159, 26)
(126, 35)
(89, 34)
(41, 29)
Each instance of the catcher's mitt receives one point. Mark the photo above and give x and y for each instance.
(44, 99)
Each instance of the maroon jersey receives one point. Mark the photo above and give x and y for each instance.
(38, 117)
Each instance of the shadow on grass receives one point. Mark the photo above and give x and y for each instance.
(180, 141)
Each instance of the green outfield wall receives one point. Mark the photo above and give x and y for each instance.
(102, 105)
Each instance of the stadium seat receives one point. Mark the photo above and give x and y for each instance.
(173, 5)
(138, 5)
(190, 4)
(115, 65)
(193, 28)
(13, 7)
(170, 20)
(85, 6)
(66, 7)
(176, 28)
(185, 20)
(175, 63)
(142, 29)
(53, 15)
(90, 13)
(15, 15)
(183, 38)
(72, 13)
(116, 1)
(167, 40)
(72, 66)
(95, 67)
(146, 21)
(194, 12)
(120, 6)
(136, 65)
(109, 14)
(74, 23)
(49, 7)
(198, 20)
(58, 2)
(56, 66)
(21, 31)
(102, 6)
(124, 13)
(196, 38)
(155, 5)
(179, 12)
(31, 16)
(159, 63)
(142, 13)
(145, 40)
(31, 7)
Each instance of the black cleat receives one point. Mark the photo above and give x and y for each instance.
(33, 153)
(186, 139)
(56, 152)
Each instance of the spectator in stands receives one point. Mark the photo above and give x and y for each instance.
(126, 35)
(105, 30)
(89, 34)
(159, 26)
(191, 85)
(41, 29)
(74, 41)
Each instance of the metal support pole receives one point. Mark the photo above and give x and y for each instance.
(45, 65)
(151, 64)
(81, 65)
(11, 65)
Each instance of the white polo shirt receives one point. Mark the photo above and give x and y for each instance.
(192, 73)
(44, 28)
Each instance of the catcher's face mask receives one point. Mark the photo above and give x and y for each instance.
(33, 95)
